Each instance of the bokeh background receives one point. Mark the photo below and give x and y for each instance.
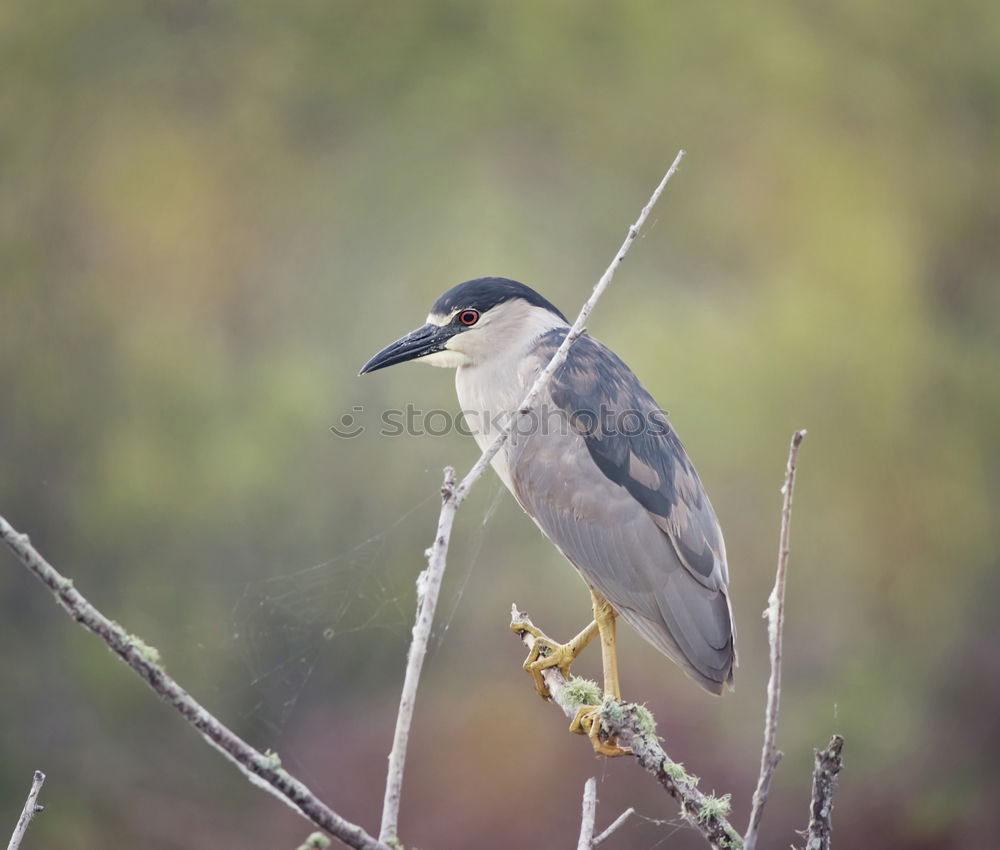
(213, 212)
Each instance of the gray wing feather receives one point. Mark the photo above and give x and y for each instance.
(626, 507)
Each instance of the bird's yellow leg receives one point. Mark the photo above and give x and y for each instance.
(606, 618)
(547, 653)
(588, 717)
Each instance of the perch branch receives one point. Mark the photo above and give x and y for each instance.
(588, 816)
(31, 808)
(775, 613)
(263, 770)
(452, 495)
(828, 765)
(632, 726)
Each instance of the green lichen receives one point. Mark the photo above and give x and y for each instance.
(612, 715)
(714, 807)
(316, 841)
(580, 691)
(675, 770)
(272, 759)
(149, 654)
(644, 721)
(731, 841)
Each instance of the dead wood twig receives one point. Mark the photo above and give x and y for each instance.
(31, 808)
(828, 765)
(775, 614)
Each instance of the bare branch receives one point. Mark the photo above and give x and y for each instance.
(828, 765)
(770, 755)
(31, 808)
(632, 726)
(428, 588)
(615, 824)
(588, 816)
(429, 582)
(263, 770)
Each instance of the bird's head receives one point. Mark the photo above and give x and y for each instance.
(473, 322)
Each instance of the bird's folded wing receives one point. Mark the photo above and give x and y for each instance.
(616, 492)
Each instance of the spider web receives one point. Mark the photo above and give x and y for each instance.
(285, 626)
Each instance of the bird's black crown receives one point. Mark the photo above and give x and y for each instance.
(484, 293)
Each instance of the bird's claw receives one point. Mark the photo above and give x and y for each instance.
(544, 654)
(588, 722)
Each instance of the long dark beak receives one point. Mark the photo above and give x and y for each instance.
(419, 343)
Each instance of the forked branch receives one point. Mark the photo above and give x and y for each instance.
(588, 819)
(612, 827)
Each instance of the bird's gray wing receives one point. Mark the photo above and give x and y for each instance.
(608, 481)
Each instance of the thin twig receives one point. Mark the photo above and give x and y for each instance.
(632, 727)
(588, 816)
(429, 581)
(263, 770)
(31, 808)
(615, 824)
(775, 613)
(428, 588)
(588, 819)
(828, 765)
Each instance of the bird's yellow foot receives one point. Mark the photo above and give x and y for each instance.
(588, 722)
(545, 654)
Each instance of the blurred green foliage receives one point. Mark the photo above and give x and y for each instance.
(213, 212)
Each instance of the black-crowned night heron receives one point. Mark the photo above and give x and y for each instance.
(601, 472)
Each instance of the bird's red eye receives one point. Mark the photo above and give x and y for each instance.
(468, 317)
